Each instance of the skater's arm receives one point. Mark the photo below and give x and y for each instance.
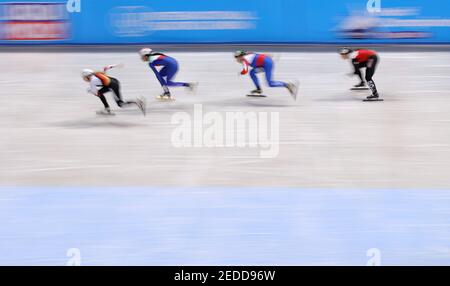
(94, 85)
(93, 88)
(357, 69)
(245, 67)
(107, 68)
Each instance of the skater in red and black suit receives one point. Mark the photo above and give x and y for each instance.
(363, 59)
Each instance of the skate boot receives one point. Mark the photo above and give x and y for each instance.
(105, 111)
(293, 89)
(192, 87)
(374, 97)
(164, 96)
(257, 91)
(360, 85)
(142, 105)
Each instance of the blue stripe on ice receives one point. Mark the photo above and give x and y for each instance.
(224, 226)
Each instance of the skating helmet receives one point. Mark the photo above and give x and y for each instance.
(345, 51)
(86, 73)
(240, 53)
(145, 52)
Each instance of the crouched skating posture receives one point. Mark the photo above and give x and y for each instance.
(261, 63)
(100, 83)
(165, 68)
(367, 59)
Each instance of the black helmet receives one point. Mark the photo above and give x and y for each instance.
(345, 51)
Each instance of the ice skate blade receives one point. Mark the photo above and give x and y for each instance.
(296, 90)
(165, 99)
(256, 95)
(105, 114)
(359, 88)
(375, 99)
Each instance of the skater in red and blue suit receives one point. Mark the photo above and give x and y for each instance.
(261, 63)
(167, 73)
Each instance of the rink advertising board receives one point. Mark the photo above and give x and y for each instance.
(39, 21)
(224, 21)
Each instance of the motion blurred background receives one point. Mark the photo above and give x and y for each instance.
(242, 22)
(352, 184)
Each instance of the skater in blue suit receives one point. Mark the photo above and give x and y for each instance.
(166, 74)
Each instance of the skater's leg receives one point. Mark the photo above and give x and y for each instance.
(115, 87)
(101, 94)
(160, 76)
(103, 100)
(255, 80)
(371, 67)
(372, 87)
(268, 68)
(171, 71)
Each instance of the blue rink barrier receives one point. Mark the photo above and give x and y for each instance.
(224, 21)
(223, 226)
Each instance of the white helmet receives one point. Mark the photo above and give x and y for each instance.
(87, 72)
(145, 52)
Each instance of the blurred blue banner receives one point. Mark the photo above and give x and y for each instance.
(224, 21)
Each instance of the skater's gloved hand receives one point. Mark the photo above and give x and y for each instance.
(243, 72)
(105, 69)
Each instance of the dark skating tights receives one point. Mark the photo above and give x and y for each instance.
(370, 71)
(114, 86)
(371, 67)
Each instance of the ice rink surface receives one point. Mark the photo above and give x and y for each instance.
(349, 175)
